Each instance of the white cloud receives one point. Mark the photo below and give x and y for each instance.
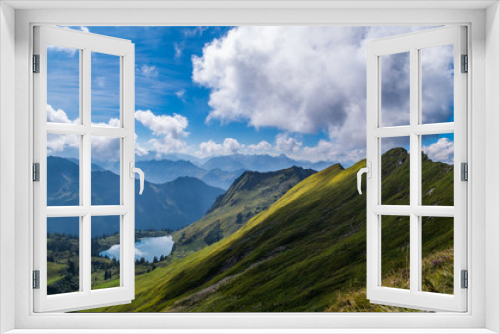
(285, 143)
(178, 50)
(442, 150)
(437, 84)
(112, 123)
(139, 150)
(70, 51)
(229, 146)
(57, 143)
(173, 126)
(261, 146)
(169, 129)
(58, 116)
(180, 94)
(105, 148)
(148, 70)
(196, 31)
(302, 80)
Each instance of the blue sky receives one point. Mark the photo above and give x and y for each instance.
(206, 91)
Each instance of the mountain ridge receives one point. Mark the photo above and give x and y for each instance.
(251, 193)
(170, 205)
(302, 254)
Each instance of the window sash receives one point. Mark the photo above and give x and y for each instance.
(87, 43)
(413, 298)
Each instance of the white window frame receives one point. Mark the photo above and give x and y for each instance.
(86, 44)
(413, 44)
(484, 211)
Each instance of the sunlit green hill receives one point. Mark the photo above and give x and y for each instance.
(307, 252)
(251, 193)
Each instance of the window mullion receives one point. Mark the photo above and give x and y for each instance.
(414, 170)
(85, 164)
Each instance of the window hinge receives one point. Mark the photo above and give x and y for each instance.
(36, 63)
(464, 171)
(465, 279)
(36, 279)
(465, 63)
(36, 172)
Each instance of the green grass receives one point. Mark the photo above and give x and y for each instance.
(305, 253)
(250, 194)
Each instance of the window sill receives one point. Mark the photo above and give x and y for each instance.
(251, 331)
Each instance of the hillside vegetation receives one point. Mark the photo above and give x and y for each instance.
(306, 253)
(251, 193)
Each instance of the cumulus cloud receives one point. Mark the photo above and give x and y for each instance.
(285, 143)
(105, 148)
(56, 143)
(304, 80)
(229, 146)
(169, 129)
(442, 150)
(261, 146)
(102, 148)
(58, 116)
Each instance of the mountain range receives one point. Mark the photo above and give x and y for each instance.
(170, 205)
(260, 163)
(218, 171)
(161, 171)
(307, 251)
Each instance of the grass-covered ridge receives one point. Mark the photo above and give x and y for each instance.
(251, 193)
(306, 253)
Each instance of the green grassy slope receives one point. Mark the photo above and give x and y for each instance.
(251, 193)
(305, 253)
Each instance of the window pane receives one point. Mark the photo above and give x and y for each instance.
(437, 254)
(105, 90)
(105, 170)
(395, 89)
(437, 84)
(105, 252)
(63, 170)
(63, 84)
(395, 171)
(437, 169)
(63, 259)
(396, 252)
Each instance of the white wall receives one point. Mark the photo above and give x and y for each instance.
(493, 163)
(7, 162)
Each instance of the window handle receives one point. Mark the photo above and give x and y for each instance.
(368, 171)
(139, 171)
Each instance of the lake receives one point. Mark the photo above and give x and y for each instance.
(146, 248)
